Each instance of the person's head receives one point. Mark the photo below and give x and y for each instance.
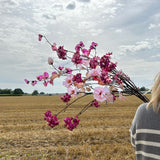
(155, 96)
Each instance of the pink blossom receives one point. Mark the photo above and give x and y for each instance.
(68, 70)
(104, 62)
(95, 103)
(54, 73)
(86, 52)
(109, 98)
(76, 59)
(121, 97)
(79, 46)
(105, 78)
(54, 48)
(112, 66)
(27, 82)
(50, 81)
(68, 81)
(40, 37)
(77, 78)
(34, 83)
(50, 60)
(93, 45)
(45, 83)
(71, 123)
(95, 72)
(52, 120)
(66, 98)
(40, 77)
(72, 91)
(60, 68)
(109, 53)
(94, 62)
(100, 94)
(85, 61)
(45, 75)
(61, 52)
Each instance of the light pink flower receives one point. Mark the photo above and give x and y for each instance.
(50, 60)
(68, 81)
(109, 98)
(72, 91)
(85, 61)
(100, 94)
(95, 72)
(121, 97)
(54, 48)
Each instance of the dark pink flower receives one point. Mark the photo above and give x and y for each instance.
(117, 79)
(95, 103)
(45, 75)
(40, 77)
(79, 46)
(105, 78)
(60, 68)
(86, 52)
(54, 73)
(112, 66)
(61, 53)
(47, 114)
(40, 37)
(52, 120)
(76, 59)
(45, 83)
(104, 62)
(94, 62)
(77, 78)
(68, 70)
(109, 53)
(34, 83)
(27, 82)
(93, 45)
(66, 98)
(71, 123)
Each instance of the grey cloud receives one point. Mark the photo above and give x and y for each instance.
(8, 2)
(71, 5)
(49, 16)
(58, 6)
(83, 0)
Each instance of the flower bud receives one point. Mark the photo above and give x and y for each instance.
(50, 61)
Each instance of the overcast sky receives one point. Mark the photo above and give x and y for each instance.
(129, 29)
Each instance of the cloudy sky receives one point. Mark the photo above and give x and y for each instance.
(129, 29)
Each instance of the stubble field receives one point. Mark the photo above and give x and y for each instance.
(103, 133)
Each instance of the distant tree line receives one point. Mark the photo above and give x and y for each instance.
(143, 89)
(17, 92)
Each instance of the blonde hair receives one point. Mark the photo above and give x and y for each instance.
(155, 96)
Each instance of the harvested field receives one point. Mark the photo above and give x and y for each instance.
(103, 133)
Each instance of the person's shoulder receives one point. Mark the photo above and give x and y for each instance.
(142, 108)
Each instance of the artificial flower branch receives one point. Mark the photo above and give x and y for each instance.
(101, 79)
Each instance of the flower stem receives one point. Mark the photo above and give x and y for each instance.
(64, 109)
(84, 108)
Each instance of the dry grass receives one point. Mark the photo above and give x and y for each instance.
(103, 133)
